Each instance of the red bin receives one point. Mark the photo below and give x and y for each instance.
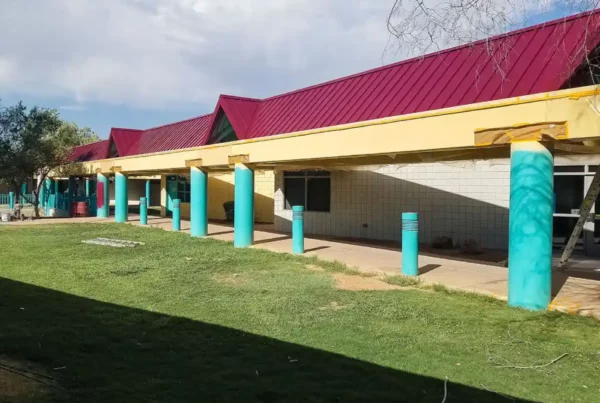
(80, 209)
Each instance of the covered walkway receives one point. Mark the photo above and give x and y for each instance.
(447, 107)
(575, 292)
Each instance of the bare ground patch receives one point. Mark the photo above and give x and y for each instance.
(234, 279)
(19, 383)
(333, 306)
(359, 283)
(313, 267)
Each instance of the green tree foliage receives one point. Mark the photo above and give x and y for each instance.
(33, 142)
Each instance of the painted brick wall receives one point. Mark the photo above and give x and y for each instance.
(459, 199)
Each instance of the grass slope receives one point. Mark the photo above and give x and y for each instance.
(182, 319)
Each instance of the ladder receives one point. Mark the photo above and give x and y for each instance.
(584, 212)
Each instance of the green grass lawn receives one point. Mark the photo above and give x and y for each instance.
(182, 319)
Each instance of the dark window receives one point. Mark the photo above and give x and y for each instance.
(568, 168)
(223, 130)
(309, 189)
(183, 189)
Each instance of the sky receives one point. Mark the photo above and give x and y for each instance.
(143, 63)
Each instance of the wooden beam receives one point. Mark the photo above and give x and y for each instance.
(576, 148)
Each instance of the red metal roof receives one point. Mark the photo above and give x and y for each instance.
(90, 152)
(126, 140)
(184, 134)
(532, 60)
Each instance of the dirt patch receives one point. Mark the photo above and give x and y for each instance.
(313, 267)
(333, 306)
(17, 385)
(234, 279)
(358, 283)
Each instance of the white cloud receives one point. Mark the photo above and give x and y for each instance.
(166, 53)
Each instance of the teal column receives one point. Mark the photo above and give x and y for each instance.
(42, 195)
(410, 244)
(298, 229)
(102, 196)
(176, 215)
(56, 187)
(121, 198)
(71, 188)
(147, 193)
(48, 187)
(143, 211)
(87, 187)
(243, 218)
(530, 225)
(11, 200)
(198, 202)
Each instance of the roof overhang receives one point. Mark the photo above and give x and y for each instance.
(397, 139)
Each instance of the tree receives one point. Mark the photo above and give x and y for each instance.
(33, 142)
(422, 26)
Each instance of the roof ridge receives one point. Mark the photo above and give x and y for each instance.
(125, 128)
(92, 143)
(440, 52)
(240, 98)
(177, 122)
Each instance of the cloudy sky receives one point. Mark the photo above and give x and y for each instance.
(141, 63)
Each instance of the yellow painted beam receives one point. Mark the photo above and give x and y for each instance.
(197, 163)
(433, 131)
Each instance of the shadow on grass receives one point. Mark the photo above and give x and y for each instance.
(106, 352)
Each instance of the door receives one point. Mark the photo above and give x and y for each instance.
(571, 184)
(171, 193)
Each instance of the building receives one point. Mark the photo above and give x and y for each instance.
(458, 136)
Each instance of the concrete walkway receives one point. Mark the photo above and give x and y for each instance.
(576, 291)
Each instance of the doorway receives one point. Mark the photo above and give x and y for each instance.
(571, 183)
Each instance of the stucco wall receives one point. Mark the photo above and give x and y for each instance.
(221, 189)
(462, 200)
(136, 188)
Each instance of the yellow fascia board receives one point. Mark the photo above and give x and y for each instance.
(450, 128)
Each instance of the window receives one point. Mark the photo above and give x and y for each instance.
(310, 189)
(183, 189)
(223, 130)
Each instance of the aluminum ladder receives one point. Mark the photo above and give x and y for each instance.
(584, 212)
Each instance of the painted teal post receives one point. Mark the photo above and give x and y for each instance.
(42, 195)
(530, 225)
(102, 196)
(198, 202)
(48, 186)
(87, 187)
(56, 187)
(298, 229)
(243, 218)
(410, 244)
(176, 215)
(147, 193)
(70, 190)
(121, 198)
(143, 211)
(11, 200)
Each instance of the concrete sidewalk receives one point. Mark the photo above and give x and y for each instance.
(576, 291)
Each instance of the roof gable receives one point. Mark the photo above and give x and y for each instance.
(124, 141)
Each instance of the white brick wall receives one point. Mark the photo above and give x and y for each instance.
(458, 199)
